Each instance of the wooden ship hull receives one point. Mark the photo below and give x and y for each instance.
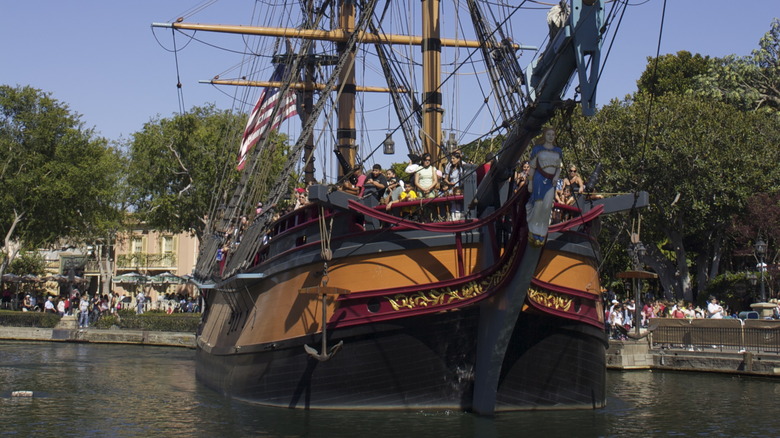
(407, 308)
(343, 304)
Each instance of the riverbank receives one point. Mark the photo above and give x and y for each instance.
(67, 331)
(637, 354)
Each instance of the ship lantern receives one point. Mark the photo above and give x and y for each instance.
(389, 144)
(452, 144)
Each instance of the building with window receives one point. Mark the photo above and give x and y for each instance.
(155, 262)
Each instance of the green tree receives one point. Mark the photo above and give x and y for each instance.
(59, 180)
(28, 262)
(700, 161)
(675, 74)
(748, 82)
(182, 169)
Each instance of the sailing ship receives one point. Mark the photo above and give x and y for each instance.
(345, 304)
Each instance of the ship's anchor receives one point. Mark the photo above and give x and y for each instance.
(323, 291)
(322, 357)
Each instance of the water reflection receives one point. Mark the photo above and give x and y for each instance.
(129, 391)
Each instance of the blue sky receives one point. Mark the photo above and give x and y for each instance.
(102, 59)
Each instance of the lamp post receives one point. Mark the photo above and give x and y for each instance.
(636, 250)
(752, 279)
(760, 248)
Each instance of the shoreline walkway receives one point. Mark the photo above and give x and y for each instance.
(705, 345)
(67, 331)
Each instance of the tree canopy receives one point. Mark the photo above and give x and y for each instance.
(59, 179)
(183, 168)
(748, 82)
(673, 73)
(700, 160)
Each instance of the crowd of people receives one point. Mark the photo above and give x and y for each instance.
(425, 180)
(89, 308)
(619, 315)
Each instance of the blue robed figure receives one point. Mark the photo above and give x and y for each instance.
(546, 159)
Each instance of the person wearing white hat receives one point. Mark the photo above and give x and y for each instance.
(49, 306)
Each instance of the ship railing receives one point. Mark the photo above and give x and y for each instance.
(428, 210)
(727, 335)
(564, 212)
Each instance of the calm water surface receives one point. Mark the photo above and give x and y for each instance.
(90, 390)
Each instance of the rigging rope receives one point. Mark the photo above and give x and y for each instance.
(179, 91)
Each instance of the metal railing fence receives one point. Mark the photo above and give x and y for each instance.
(757, 336)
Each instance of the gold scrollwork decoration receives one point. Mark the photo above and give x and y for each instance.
(447, 295)
(550, 299)
(436, 297)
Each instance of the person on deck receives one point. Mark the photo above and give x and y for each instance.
(395, 186)
(574, 180)
(375, 184)
(426, 180)
(521, 175)
(452, 173)
(354, 184)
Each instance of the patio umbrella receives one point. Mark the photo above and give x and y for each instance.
(12, 278)
(30, 278)
(130, 278)
(166, 277)
(59, 278)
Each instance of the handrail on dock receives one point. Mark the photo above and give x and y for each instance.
(757, 336)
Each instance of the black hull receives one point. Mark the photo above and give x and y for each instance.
(424, 362)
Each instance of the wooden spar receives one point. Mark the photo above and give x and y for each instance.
(338, 35)
(431, 42)
(294, 85)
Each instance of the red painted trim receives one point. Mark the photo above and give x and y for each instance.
(586, 318)
(403, 302)
(579, 220)
(564, 290)
(459, 247)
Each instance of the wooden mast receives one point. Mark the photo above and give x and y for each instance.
(307, 107)
(431, 98)
(346, 135)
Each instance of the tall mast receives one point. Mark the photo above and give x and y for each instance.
(346, 134)
(308, 105)
(431, 98)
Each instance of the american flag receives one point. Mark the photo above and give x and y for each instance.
(260, 122)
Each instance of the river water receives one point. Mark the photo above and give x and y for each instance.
(90, 390)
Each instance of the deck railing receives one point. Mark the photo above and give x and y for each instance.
(757, 336)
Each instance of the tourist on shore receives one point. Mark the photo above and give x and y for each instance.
(616, 321)
(139, 299)
(84, 312)
(647, 312)
(27, 303)
(714, 310)
(61, 308)
(49, 305)
(677, 311)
